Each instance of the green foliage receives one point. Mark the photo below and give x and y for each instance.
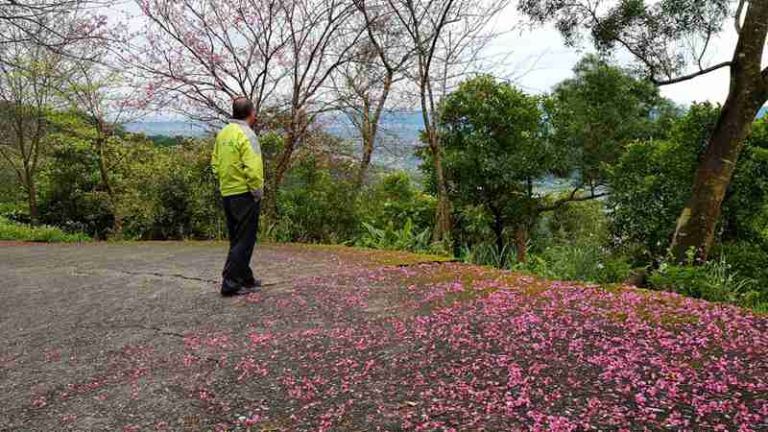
(272, 144)
(395, 199)
(316, 205)
(745, 211)
(405, 238)
(748, 260)
(584, 223)
(595, 114)
(651, 182)
(71, 196)
(170, 193)
(162, 193)
(716, 281)
(491, 139)
(493, 148)
(10, 188)
(583, 262)
(15, 211)
(485, 254)
(42, 233)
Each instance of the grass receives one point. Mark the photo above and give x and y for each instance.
(42, 233)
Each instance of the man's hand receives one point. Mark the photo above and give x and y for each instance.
(257, 194)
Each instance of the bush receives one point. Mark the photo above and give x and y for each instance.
(583, 262)
(390, 237)
(576, 223)
(22, 232)
(397, 200)
(714, 281)
(395, 214)
(316, 204)
(71, 197)
(748, 259)
(485, 254)
(178, 199)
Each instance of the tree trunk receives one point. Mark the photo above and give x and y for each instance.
(272, 185)
(117, 222)
(521, 243)
(365, 160)
(32, 198)
(443, 216)
(748, 92)
(498, 231)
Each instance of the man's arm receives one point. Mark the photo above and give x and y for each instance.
(253, 164)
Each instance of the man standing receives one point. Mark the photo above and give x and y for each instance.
(236, 160)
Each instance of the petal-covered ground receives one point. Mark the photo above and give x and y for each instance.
(346, 340)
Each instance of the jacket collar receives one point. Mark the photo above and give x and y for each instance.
(240, 122)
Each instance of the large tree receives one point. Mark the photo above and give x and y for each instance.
(493, 150)
(595, 114)
(670, 40)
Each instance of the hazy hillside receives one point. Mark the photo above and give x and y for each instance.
(399, 134)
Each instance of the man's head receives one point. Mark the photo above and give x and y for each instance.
(242, 109)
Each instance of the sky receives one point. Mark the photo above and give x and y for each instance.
(540, 59)
(537, 58)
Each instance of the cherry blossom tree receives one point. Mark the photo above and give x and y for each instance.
(321, 39)
(56, 25)
(197, 55)
(200, 54)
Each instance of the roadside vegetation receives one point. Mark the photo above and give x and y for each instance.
(13, 231)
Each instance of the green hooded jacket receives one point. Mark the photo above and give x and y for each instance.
(236, 159)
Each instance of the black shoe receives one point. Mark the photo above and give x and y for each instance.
(231, 289)
(242, 291)
(252, 283)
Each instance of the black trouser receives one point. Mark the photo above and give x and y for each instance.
(242, 213)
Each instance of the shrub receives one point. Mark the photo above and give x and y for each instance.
(714, 281)
(578, 222)
(71, 196)
(583, 262)
(485, 254)
(405, 238)
(316, 204)
(396, 199)
(43, 233)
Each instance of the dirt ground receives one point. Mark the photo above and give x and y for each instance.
(134, 336)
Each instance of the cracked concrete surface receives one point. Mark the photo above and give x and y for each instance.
(89, 300)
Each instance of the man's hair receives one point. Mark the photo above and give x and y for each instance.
(242, 107)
